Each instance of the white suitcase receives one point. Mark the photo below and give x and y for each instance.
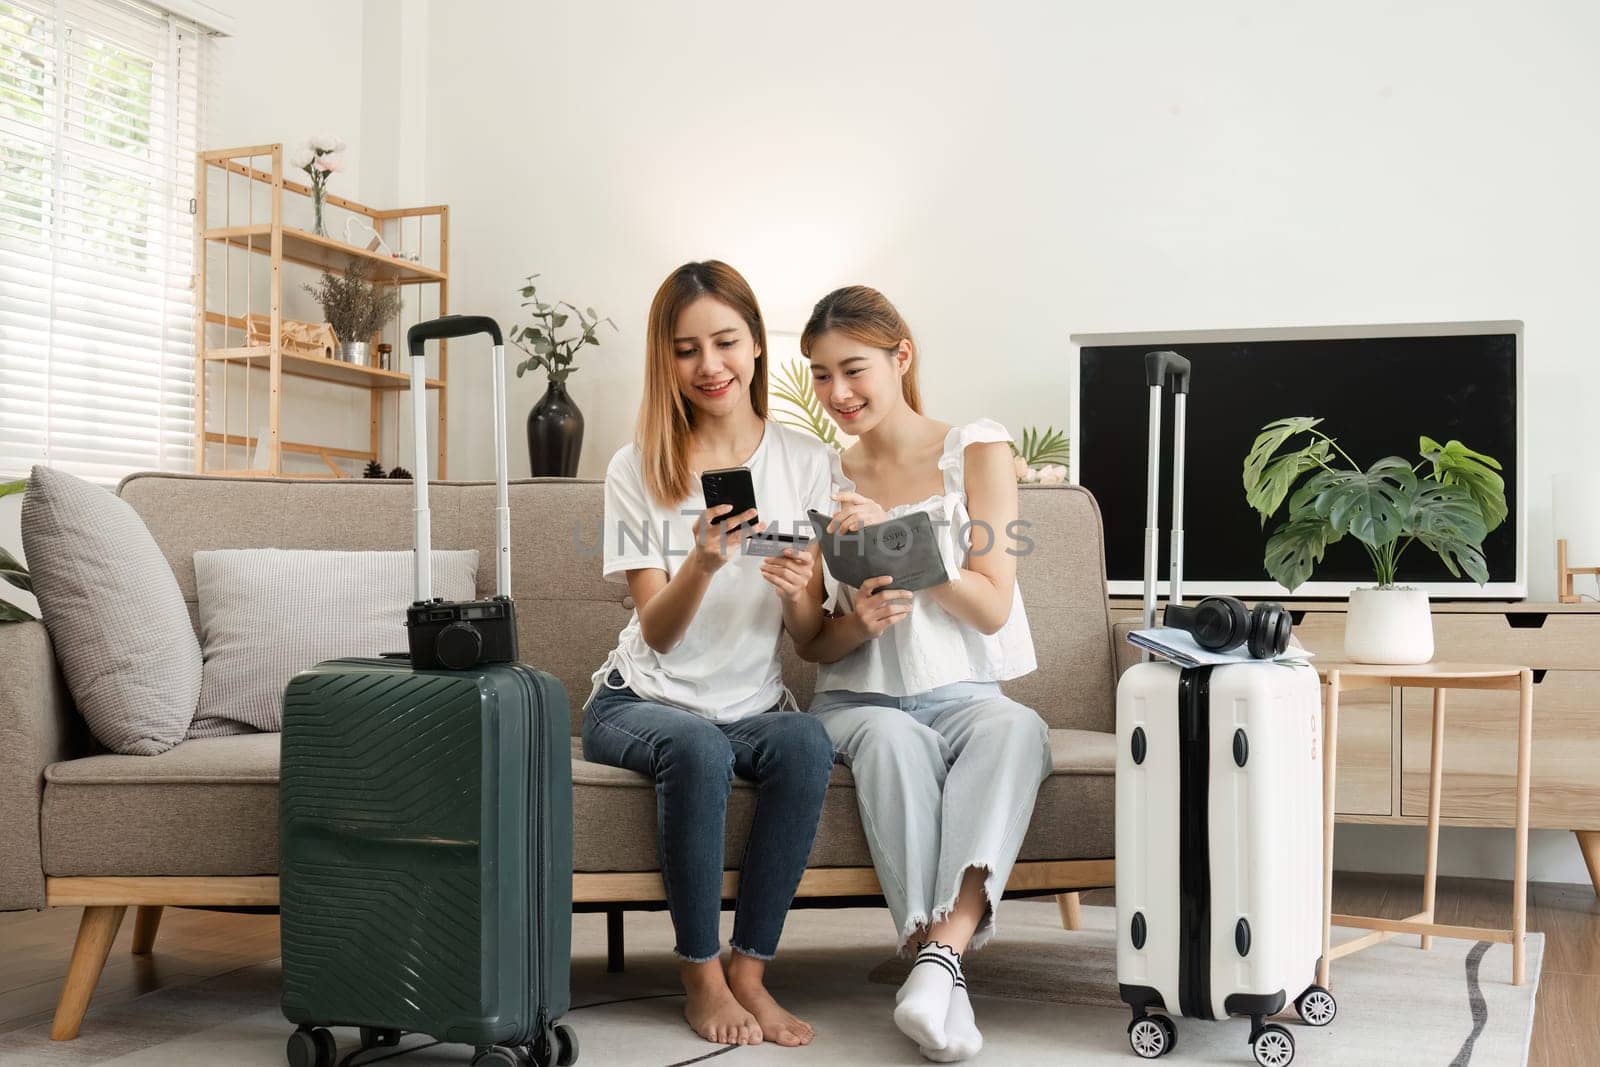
(1219, 825)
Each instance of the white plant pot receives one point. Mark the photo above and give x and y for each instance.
(1388, 626)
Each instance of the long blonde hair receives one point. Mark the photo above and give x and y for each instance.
(865, 316)
(666, 419)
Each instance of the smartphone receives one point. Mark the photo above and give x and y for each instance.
(772, 543)
(729, 485)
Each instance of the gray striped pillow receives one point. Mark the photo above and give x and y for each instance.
(268, 613)
(116, 616)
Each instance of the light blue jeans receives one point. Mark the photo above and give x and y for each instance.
(945, 780)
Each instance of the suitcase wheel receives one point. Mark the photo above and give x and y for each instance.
(1273, 1046)
(312, 1048)
(566, 1045)
(499, 1056)
(1316, 1006)
(1151, 1036)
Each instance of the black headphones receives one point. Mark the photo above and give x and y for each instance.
(1220, 623)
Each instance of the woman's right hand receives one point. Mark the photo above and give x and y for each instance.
(877, 608)
(715, 542)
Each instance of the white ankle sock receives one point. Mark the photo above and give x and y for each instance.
(923, 1001)
(962, 1039)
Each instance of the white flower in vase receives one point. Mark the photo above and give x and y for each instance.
(327, 142)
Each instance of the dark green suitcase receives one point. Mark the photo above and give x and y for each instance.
(426, 878)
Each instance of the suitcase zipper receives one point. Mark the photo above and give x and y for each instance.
(536, 783)
(1194, 843)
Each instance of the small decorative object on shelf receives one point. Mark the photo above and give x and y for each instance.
(301, 338)
(1575, 515)
(320, 160)
(356, 309)
(1450, 509)
(373, 469)
(400, 473)
(555, 425)
(1042, 457)
(385, 356)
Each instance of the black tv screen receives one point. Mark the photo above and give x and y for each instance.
(1377, 394)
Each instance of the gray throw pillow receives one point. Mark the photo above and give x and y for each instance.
(116, 617)
(267, 614)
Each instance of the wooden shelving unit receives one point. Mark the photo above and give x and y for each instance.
(221, 336)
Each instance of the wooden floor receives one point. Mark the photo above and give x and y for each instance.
(195, 945)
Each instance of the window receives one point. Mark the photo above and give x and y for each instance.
(100, 116)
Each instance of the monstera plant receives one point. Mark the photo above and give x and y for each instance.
(1447, 502)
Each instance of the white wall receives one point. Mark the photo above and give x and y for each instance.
(1012, 173)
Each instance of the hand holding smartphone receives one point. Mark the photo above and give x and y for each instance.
(732, 486)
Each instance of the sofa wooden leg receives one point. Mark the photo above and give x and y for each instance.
(145, 924)
(1071, 911)
(614, 941)
(1589, 842)
(96, 931)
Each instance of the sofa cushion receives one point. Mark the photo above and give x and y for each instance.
(614, 812)
(210, 807)
(205, 807)
(268, 613)
(116, 617)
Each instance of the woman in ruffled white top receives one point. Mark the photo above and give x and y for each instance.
(946, 766)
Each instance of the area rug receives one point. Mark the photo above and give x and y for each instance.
(1042, 996)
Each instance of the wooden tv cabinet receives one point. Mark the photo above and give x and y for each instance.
(1383, 737)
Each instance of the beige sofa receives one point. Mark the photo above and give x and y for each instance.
(198, 825)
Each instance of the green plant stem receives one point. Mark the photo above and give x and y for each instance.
(1335, 444)
(1400, 551)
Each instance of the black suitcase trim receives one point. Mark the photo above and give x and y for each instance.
(1194, 843)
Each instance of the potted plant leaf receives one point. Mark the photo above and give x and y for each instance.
(555, 425)
(800, 408)
(1042, 457)
(12, 571)
(1447, 502)
(356, 308)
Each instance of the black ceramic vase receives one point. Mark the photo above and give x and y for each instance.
(555, 434)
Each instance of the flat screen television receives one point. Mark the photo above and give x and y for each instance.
(1378, 388)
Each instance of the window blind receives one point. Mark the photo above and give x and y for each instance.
(101, 111)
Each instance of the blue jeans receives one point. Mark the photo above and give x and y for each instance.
(693, 761)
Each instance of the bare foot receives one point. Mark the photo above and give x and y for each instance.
(712, 1010)
(745, 980)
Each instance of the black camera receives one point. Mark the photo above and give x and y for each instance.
(458, 635)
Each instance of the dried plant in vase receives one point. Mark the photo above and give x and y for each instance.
(356, 308)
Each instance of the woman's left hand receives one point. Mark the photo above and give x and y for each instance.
(790, 573)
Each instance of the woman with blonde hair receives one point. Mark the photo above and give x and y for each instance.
(692, 694)
(946, 766)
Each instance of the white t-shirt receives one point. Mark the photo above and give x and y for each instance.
(726, 666)
(930, 647)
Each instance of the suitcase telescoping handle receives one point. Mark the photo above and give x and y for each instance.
(1162, 371)
(438, 329)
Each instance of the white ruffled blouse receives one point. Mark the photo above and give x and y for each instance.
(930, 647)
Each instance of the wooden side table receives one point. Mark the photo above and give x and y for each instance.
(1344, 677)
